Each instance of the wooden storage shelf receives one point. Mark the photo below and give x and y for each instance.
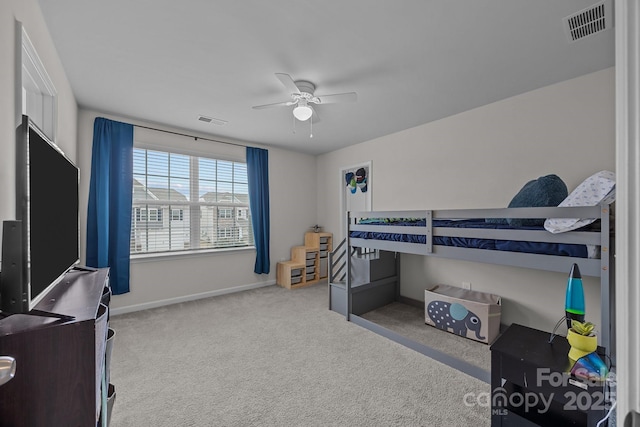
(290, 274)
(308, 264)
(323, 242)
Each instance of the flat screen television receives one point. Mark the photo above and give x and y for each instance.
(42, 244)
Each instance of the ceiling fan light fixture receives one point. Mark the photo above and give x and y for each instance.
(302, 95)
(302, 112)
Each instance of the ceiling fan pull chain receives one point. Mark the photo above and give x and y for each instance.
(311, 126)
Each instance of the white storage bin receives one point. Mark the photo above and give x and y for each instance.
(471, 314)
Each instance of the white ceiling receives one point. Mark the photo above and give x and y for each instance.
(410, 61)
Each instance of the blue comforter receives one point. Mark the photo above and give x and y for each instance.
(572, 250)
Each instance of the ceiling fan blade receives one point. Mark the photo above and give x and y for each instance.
(277, 104)
(337, 97)
(288, 82)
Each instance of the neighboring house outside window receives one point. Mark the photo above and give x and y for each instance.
(225, 216)
(183, 202)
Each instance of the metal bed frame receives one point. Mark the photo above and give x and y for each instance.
(601, 268)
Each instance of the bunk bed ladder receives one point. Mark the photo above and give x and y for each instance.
(337, 264)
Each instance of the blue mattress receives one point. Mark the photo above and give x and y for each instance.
(561, 249)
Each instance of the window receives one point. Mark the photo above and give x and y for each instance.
(176, 214)
(183, 202)
(225, 213)
(39, 96)
(151, 214)
(226, 233)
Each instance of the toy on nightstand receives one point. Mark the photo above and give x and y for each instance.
(585, 362)
(590, 367)
(574, 301)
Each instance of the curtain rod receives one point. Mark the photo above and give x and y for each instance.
(191, 136)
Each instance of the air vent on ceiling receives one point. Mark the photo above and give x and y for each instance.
(206, 119)
(591, 20)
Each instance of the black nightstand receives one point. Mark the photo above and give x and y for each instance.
(531, 386)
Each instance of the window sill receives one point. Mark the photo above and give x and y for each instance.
(155, 256)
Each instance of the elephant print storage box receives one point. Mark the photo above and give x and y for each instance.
(471, 314)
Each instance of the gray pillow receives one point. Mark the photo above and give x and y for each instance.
(547, 190)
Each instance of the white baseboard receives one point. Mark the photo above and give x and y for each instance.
(185, 298)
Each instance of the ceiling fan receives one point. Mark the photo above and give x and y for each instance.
(302, 95)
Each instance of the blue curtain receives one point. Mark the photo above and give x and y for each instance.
(258, 176)
(110, 192)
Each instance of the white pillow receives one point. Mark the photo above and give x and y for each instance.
(598, 188)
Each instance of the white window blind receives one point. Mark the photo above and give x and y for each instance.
(183, 202)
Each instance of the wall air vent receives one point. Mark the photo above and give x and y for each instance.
(591, 20)
(205, 119)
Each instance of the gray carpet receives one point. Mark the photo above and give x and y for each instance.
(276, 357)
(409, 322)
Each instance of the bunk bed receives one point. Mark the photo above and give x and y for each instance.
(369, 277)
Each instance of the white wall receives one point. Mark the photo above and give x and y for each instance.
(28, 12)
(481, 158)
(176, 278)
